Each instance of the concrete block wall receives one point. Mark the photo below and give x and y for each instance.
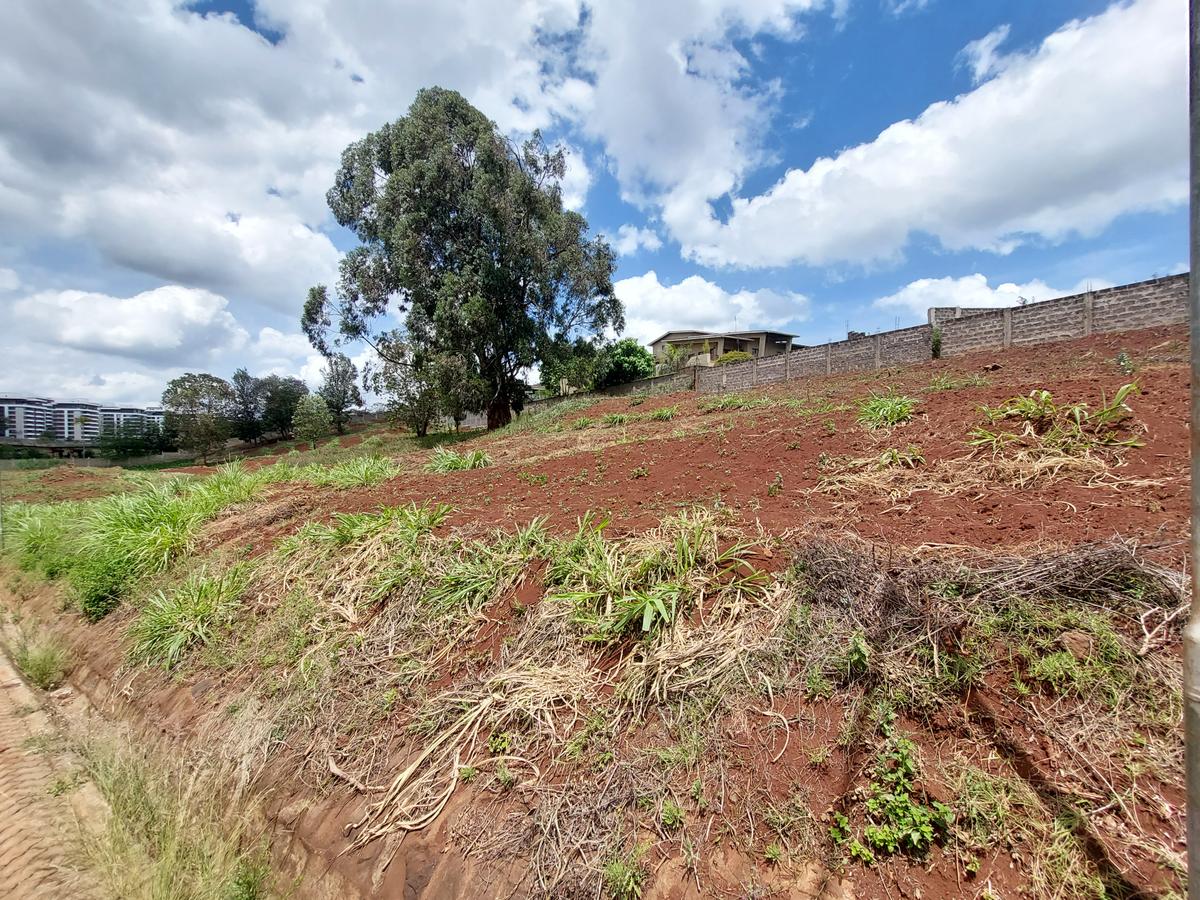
(660, 384)
(864, 354)
(1159, 301)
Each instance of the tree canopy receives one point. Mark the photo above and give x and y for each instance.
(339, 389)
(281, 396)
(463, 239)
(199, 408)
(312, 420)
(249, 399)
(624, 361)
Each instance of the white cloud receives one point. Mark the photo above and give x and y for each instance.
(9, 281)
(169, 324)
(902, 7)
(1090, 125)
(973, 290)
(673, 98)
(630, 239)
(652, 307)
(577, 180)
(981, 57)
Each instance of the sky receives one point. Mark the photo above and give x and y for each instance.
(811, 166)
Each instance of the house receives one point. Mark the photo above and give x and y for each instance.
(713, 344)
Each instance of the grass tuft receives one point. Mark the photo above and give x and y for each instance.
(885, 410)
(42, 660)
(362, 471)
(170, 624)
(446, 460)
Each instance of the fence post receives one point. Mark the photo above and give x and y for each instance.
(1087, 314)
(1007, 328)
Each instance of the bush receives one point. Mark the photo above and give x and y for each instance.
(732, 356)
(623, 362)
(42, 660)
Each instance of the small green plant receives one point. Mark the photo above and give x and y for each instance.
(830, 427)
(582, 422)
(671, 816)
(818, 756)
(908, 458)
(500, 742)
(446, 460)
(776, 485)
(42, 660)
(839, 829)
(773, 854)
(467, 774)
(858, 657)
(639, 472)
(885, 410)
(900, 821)
(505, 777)
(362, 471)
(616, 419)
(533, 479)
(947, 382)
(624, 874)
(662, 414)
(817, 686)
(637, 399)
(935, 343)
(1125, 363)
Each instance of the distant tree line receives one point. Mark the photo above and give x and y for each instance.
(204, 411)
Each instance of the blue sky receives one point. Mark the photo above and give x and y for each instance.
(805, 165)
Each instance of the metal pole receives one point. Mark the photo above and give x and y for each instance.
(1191, 634)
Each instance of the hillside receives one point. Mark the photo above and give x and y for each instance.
(906, 633)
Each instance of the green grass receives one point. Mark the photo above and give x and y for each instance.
(104, 547)
(42, 660)
(191, 614)
(446, 460)
(885, 410)
(362, 471)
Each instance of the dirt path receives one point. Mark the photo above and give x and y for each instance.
(37, 829)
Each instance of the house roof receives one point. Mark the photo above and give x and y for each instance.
(693, 335)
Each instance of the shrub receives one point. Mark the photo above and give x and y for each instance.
(170, 624)
(42, 660)
(446, 460)
(732, 356)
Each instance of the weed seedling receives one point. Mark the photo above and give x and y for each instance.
(776, 485)
(671, 816)
(773, 854)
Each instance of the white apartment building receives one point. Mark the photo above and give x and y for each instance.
(25, 418)
(39, 418)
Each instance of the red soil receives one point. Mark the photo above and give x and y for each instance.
(737, 467)
(589, 470)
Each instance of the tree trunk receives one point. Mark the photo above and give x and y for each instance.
(499, 413)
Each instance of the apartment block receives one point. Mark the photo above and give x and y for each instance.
(41, 419)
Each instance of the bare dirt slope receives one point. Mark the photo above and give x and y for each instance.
(740, 645)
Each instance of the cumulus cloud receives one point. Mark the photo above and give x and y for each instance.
(652, 307)
(172, 323)
(1088, 126)
(629, 239)
(973, 290)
